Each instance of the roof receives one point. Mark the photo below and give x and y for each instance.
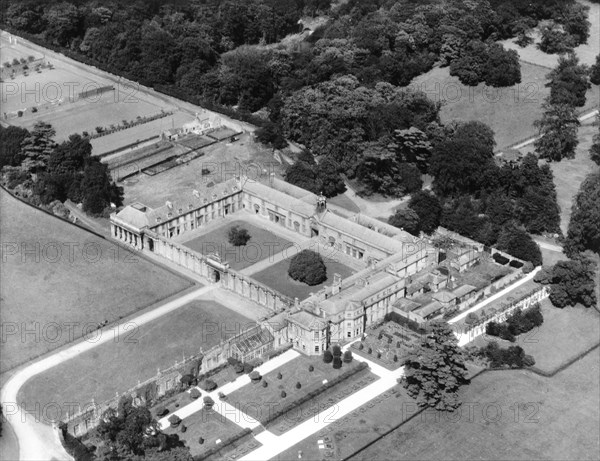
(307, 320)
(406, 305)
(362, 233)
(279, 198)
(277, 322)
(253, 339)
(463, 290)
(134, 216)
(428, 309)
(444, 296)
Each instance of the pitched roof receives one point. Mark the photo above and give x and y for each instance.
(428, 309)
(463, 290)
(253, 339)
(279, 198)
(135, 216)
(406, 305)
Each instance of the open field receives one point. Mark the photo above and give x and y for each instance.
(54, 273)
(587, 53)
(260, 402)
(223, 160)
(509, 415)
(118, 365)
(276, 277)
(510, 111)
(570, 173)
(262, 244)
(8, 52)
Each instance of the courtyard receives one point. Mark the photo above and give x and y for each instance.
(277, 278)
(120, 364)
(263, 244)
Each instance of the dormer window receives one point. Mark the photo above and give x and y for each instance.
(169, 215)
(205, 201)
(158, 219)
(180, 210)
(190, 206)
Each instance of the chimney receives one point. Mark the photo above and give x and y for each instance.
(169, 204)
(196, 193)
(337, 284)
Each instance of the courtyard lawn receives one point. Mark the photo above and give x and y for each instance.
(262, 244)
(511, 415)
(510, 111)
(260, 402)
(481, 274)
(118, 365)
(276, 277)
(209, 425)
(55, 274)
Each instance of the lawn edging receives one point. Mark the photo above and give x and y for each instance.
(295, 403)
(226, 443)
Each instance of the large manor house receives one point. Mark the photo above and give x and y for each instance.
(396, 271)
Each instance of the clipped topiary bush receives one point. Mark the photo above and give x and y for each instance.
(395, 358)
(208, 385)
(361, 346)
(255, 376)
(195, 393)
(336, 350)
(348, 356)
(311, 368)
(337, 362)
(265, 384)
(201, 441)
(222, 396)
(208, 402)
(298, 385)
(161, 411)
(308, 267)
(370, 351)
(327, 356)
(248, 368)
(183, 428)
(174, 420)
(283, 395)
(279, 375)
(238, 368)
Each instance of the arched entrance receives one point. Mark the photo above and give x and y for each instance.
(216, 276)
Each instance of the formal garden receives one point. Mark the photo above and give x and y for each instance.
(388, 344)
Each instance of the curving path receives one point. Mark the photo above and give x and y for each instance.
(38, 441)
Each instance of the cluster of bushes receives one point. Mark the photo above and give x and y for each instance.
(240, 367)
(311, 395)
(513, 356)
(517, 323)
(403, 321)
(101, 131)
(335, 355)
(500, 259)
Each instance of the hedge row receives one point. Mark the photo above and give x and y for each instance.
(311, 395)
(223, 444)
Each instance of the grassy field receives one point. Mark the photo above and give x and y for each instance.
(276, 277)
(118, 365)
(587, 53)
(223, 160)
(259, 402)
(570, 173)
(262, 244)
(54, 273)
(510, 111)
(511, 415)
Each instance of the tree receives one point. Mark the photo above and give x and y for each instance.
(327, 356)
(595, 72)
(37, 147)
(470, 68)
(271, 136)
(10, 145)
(412, 146)
(329, 182)
(557, 131)
(503, 67)
(573, 282)
(406, 219)
(428, 208)
(554, 39)
(238, 236)
(518, 243)
(308, 267)
(595, 148)
(568, 81)
(575, 20)
(584, 227)
(436, 370)
(98, 189)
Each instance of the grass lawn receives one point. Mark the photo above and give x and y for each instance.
(260, 402)
(343, 201)
(564, 335)
(69, 276)
(510, 111)
(262, 244)
(551, 257)
(511, 415)
(570, 173)
(276, 277)
(118, 366)
(207, 424)
(481, 274)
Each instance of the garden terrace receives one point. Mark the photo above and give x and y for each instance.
(396, 341)
(261, 402)
(194, 142)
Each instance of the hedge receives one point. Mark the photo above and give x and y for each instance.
(311, 395)
(223, 444)
(500, 259)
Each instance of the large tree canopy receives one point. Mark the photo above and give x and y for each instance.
(584, 226)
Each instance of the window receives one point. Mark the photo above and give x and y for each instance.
(316, 335)
(349, 334)
(316, 348)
